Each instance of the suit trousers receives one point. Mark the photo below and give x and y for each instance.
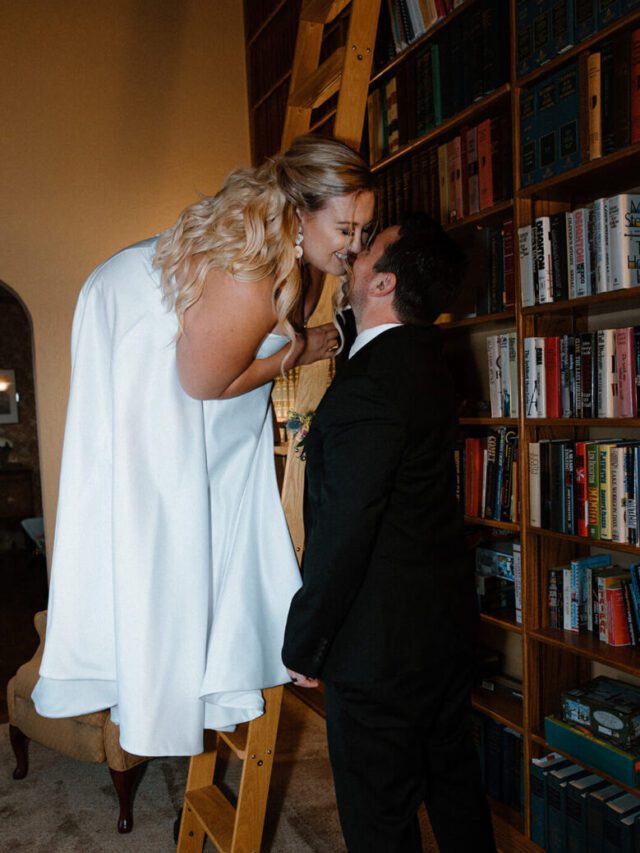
(399, 742)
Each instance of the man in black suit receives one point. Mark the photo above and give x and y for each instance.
(386, 613)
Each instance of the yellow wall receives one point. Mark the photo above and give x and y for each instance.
(114, 117)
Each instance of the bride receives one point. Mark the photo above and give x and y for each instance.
(173, 569)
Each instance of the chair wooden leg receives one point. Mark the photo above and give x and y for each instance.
(124, 781)
(201, 769)
(20, 746)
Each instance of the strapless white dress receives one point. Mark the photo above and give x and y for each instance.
(173, 569)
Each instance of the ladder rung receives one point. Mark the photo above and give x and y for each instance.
(322, 11)
(320, 85)
(237, 740)
(216, 814)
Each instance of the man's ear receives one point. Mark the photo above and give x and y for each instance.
(385, 285)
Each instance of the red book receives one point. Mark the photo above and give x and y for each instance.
(580, 487)
(473, 471)
(626, 370)
(552, 377)
(508, 257)
(485, 169)
(635, 86)
(617, 625)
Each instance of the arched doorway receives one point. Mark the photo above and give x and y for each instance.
(23, 576)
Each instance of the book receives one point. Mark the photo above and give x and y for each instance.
(624, 240)
(595, 113)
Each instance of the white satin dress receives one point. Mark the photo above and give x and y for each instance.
(173, 568)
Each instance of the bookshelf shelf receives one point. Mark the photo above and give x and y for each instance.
(577, 49)
(488, 422)
(581, 540)
(611, 299)
(418, 43)
(605, 174)
(484, 319)
(480, 218)
(509, 826)
(627, 423)
(540, 741)
(503, 709)
(489, 522)
(470, 114)
(625, 658)
(506, 622)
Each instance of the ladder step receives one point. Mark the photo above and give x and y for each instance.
(237, 740)
(320, 85)
(322, 11)
(215, 813)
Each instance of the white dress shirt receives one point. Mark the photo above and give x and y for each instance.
(368, 335)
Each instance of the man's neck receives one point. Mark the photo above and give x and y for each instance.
(371, 319)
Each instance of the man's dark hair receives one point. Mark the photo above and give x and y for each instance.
(428, 266)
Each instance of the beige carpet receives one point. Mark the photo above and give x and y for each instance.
(64, 806)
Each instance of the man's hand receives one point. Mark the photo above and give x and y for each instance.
(302, 680)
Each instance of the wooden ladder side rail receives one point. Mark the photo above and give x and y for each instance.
(207, 813)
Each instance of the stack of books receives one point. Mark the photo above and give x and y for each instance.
(499, 578)
(502, 358)
(500, 751)
(488, 475)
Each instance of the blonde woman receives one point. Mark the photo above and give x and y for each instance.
(173, 569)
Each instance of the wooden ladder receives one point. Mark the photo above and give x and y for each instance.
(207, 811)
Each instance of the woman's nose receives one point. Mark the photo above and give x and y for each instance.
(355, 246)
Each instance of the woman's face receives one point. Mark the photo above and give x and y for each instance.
(340, 229)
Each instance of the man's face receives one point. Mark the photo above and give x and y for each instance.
(363, 273)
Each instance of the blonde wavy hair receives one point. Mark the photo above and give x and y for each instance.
(249, 227)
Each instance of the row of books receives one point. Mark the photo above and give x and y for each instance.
(574, 809)
(588, 108)
(442, 181)
(586, 488)
(410, 19)
(502, 359)
(500, 752)
(487, 471)
(591, 375)
(592, 596)
(546, 28)
(499, 578)
(440, 79)
(578, 253)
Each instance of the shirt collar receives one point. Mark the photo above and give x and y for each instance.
(368, 335)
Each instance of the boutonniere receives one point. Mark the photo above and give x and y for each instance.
(298, 426)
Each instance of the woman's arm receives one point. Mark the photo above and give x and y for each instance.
(222, 332)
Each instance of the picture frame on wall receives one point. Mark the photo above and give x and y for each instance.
(8, 397)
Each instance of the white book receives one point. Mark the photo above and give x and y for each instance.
(527, 289)
(505, 376)
(541, 380)
(618, 495)
(530, 379)
(535, 507)
(601, 233)
(607, 374)
(571, 254)
(566, 598)
(543, 259)
(517, 580)
(413, 7)
(495, 375)
(513, 373)
(624, 240)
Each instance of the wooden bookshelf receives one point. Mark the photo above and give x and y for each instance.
(552, 660)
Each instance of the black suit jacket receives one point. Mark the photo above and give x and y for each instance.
(387, 585)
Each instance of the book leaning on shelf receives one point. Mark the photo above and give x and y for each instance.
(588, 108)
(586, 488)
(578, 253)
(590, 375)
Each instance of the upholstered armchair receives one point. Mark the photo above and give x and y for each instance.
(91, 737)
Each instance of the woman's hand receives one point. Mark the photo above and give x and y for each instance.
(320, 342)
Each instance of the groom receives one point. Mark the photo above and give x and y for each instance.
(386, 613)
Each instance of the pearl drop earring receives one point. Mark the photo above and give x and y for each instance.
(298, 245)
